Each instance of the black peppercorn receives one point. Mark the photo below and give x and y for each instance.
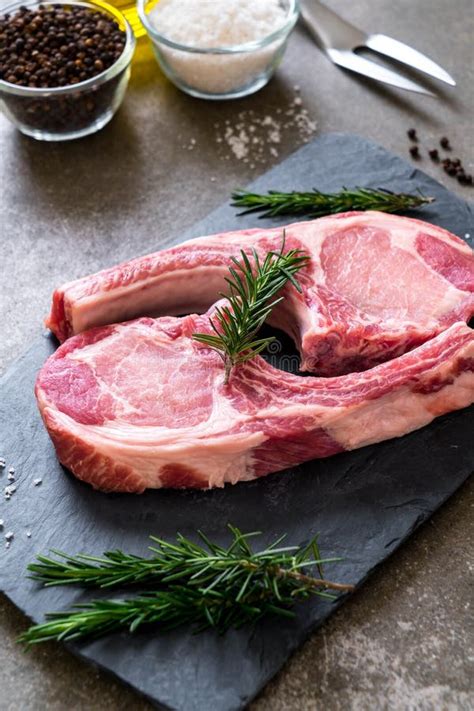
(444, 143)
(47, 36)
(44, 47)
(450, 170)
(434, 155)
(411, 133)
(415, 153)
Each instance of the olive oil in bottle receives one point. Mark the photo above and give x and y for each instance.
(129, 10)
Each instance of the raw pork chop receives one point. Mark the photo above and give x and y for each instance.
(141, 405)
(377, 286)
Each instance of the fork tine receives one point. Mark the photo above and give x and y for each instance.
(407, 55)
(360, 65)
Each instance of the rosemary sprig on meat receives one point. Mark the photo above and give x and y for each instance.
(251, 297)
(201, 585)
(316, 203)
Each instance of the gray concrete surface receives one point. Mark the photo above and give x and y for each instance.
(405, 640)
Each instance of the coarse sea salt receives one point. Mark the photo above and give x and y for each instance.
(212, 24)
(217, 23)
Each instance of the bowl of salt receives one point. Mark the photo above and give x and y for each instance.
(219, 49)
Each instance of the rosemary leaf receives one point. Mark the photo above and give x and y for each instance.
(251, 298)
(317, 204)
(194, 584)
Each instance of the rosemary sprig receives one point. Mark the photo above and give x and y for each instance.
(251, 299)
(317, 204)
(197, 584)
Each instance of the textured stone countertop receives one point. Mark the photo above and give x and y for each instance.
(165, 161)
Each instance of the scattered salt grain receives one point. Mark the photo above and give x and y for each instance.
(238, 142)
(253, 137)
(7, 545)
(9, 536)
(2, 463)
(9, 491)
(2, 523)
(11, 470)
(37, 482)
(11, 477)
(274, 136)
(28, 534)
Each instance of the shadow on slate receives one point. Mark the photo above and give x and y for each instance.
(364, 503)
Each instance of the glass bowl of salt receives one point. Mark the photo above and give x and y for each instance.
(219, 49)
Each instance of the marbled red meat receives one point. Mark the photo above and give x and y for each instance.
(377, 286)
(141, 405)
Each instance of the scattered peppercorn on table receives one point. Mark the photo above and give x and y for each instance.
(163, 162)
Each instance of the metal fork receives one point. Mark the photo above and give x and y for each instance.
(338, 39)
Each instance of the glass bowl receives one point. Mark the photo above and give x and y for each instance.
(220, 72)
(76, 110)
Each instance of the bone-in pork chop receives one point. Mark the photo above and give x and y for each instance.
(141, 404)
(377, 286)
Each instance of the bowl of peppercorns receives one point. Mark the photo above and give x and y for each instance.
(64, 66)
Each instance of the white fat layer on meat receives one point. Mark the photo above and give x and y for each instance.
(218, 460)
(397, 413)
(171, 293)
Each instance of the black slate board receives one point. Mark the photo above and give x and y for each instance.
(366, 503)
